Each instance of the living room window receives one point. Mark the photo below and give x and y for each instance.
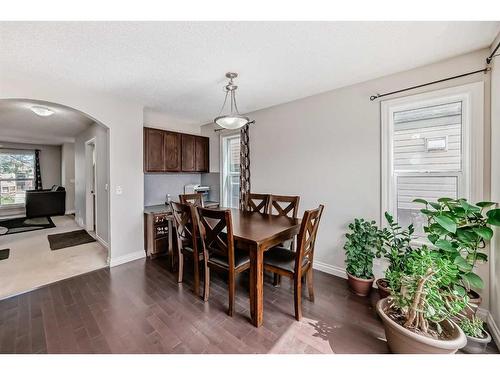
(231, 170)
(431, 148)
(17, 175)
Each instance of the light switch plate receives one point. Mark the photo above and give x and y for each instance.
(119, 190)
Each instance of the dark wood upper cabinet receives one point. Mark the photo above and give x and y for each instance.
(166, 151)
(173, 154)
(188, 153)
(201, 154)
(154, 152)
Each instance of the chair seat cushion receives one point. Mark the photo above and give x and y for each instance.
(282, 258)
(240, 258)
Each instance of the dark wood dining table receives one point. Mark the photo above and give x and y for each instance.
(257, 233)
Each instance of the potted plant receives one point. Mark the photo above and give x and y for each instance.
(396, 246)
(417, 317)
(460, 231)
(477, 337)
(362, 243)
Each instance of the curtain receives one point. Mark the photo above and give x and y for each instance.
(38, 174)
(244, 165)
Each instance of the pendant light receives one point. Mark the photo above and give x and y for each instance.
(233, 120)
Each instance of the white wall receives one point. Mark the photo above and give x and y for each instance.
(495, 194)
(160, 120)
(124, 118)
(68, 174)
(326, 148)
(100, 134)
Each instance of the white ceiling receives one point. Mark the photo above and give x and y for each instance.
(18, 123)
(178, 67)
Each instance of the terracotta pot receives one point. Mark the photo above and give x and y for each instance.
(475, 345)
(360, 287)
(383, 289)
(475, 300)
(403, 341)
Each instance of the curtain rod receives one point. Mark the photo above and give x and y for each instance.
(221, 129)
(485, 70)
(492, 55)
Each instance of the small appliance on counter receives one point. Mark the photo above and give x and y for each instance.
(197, 188)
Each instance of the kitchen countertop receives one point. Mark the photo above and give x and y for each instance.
(164, 209)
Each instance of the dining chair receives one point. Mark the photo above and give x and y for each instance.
(188, 240)
(284, 205)
(219, 251)
(296, 264)
(257, 203)
(195, 199)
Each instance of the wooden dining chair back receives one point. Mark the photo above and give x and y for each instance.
(295, 265)
(188, 239)
(195, 199)
(257, 203)
(219, 252)
(284, 205)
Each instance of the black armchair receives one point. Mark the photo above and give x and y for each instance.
(46, 202)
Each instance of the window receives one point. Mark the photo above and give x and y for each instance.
(231, 170)
(427, 141)
(16, 176)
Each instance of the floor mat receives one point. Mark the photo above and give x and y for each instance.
(24, 224)
(4, 254)
(69, 239)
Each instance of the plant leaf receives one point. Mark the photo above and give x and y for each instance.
(494, 217)
(462, 264)
(418, 200)
(446, 223)
(473, 280)
(484, 232)
(485, 204)
(444, 245)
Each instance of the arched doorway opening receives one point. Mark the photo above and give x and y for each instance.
(49, 150)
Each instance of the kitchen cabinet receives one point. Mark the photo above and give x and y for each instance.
(166, 151)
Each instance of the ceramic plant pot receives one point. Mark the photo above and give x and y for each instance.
(360, 287)
(403, 341)
(383, 288)
(475, 345)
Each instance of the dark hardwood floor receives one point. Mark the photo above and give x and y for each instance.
(138, 307)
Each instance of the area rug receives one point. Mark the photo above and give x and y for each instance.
(4, 254)
(69, 239)
(23, 224)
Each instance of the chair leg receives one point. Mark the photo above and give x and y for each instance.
(277, 279)
(231, 293)
(196, 276)
(181, 267)
(206, 284)
(310, 285)
(297, 294)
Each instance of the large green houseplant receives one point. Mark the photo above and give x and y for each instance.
(460, 231)
(363, 241)
(417, 315)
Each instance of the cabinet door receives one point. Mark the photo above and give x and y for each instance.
(188, 153)
(201, 145)
(154, 152)
(172, 144)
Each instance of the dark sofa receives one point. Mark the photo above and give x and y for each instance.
(46, 202)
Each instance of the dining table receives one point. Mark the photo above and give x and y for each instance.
(257, 233)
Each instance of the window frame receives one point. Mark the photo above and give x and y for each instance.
(226, 174)
(18, 152)
(470, 178)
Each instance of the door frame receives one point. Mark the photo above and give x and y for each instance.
(90, 150)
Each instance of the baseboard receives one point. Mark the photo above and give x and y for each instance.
(328, 268)
(101, 241)
(70, 212)
(127, 258)
(495, 332)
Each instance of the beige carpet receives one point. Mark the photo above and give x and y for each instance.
(32, 264)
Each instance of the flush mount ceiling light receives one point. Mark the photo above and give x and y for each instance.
(42, 111)
(233, 120)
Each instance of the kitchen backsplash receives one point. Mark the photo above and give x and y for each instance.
(157, 186)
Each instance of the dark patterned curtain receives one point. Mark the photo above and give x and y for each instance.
(244, 165)
(38, 174)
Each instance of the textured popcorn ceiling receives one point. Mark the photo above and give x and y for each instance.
(178, 67)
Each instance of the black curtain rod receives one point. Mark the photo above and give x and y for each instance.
(490, 57)
(485, 70)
